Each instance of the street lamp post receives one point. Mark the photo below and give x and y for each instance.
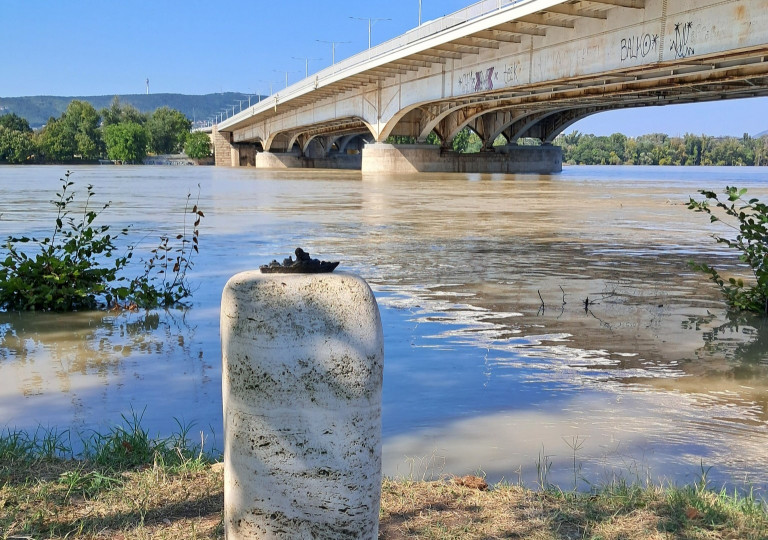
(286, 75)
(306, 64)
(419, 12)
(333, 48)
(270, 86)
(371, 22)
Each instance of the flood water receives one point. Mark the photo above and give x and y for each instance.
(493, 362)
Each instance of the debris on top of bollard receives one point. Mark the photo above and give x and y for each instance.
(302, 265)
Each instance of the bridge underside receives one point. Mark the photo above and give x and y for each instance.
(529, 76)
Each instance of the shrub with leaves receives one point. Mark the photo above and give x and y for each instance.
(750, 219)
(164, 282)
(67, 272)
(78, 266)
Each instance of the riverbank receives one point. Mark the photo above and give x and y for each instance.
(134, 487)
(66, 499)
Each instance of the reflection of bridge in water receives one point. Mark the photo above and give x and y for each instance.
(525, 69)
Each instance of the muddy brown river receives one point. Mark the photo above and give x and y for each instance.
(495, 362)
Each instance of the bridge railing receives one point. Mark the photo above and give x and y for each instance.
(427, 29)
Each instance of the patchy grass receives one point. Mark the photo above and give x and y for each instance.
(169, 489)
(448, 511)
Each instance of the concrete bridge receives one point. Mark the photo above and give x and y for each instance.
(521, 69)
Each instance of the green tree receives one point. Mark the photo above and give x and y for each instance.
(117, 113)
(617, 148)
(432, 138)
(167, 129)
(75, 135)
(693, 149)
(15, 146)
(401, 139)
(56, 142)
(198, 145)
(15, 123)
(466, 141)
(126, 141)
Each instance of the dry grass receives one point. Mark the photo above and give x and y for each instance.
(75, 499)
(68, 499)
(444, 510)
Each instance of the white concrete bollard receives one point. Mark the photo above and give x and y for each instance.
(302, 359)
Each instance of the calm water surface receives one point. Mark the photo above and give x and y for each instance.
(492, 361)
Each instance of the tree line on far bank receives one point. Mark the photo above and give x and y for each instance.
(661, 149)
(617, 149)
(83, 134)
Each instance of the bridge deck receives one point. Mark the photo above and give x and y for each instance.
(526, 68)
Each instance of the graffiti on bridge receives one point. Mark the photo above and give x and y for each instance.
(640, 46)
(478, 81)
(681, 44)
(512, 73)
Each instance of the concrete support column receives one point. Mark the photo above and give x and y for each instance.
(277, 160)
(413, 158)
(234, 154)
(222, 147)
(403, 158)
(302, 373)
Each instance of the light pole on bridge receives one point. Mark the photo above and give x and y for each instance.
(286, 75)
(306, 64)
(270, 86)
(333, 48)
(371, 22)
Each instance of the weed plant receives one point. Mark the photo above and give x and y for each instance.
(78, 266)
(750, 219)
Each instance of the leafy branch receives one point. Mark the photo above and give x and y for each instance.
(749, 219)
(164, 281)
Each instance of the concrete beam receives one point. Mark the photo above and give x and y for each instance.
(451, 47)
(432, 59)
(516, 28)
(413, 62)
(546, 20)
(498, 35)
(410, 65)
(477, 42)
(568, 9)
(633, 4)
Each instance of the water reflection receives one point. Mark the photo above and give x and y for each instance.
(730, 367)
(493, 353)
(64, 360)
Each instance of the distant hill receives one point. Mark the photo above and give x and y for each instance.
(761, 134)
(38, 109)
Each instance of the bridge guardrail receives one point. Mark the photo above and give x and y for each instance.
(429, 28)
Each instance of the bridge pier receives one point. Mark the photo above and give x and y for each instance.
(223, 149)
(411, 158)
(509, 159)
(284, 160)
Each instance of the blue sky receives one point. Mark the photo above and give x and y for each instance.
(88, 47)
